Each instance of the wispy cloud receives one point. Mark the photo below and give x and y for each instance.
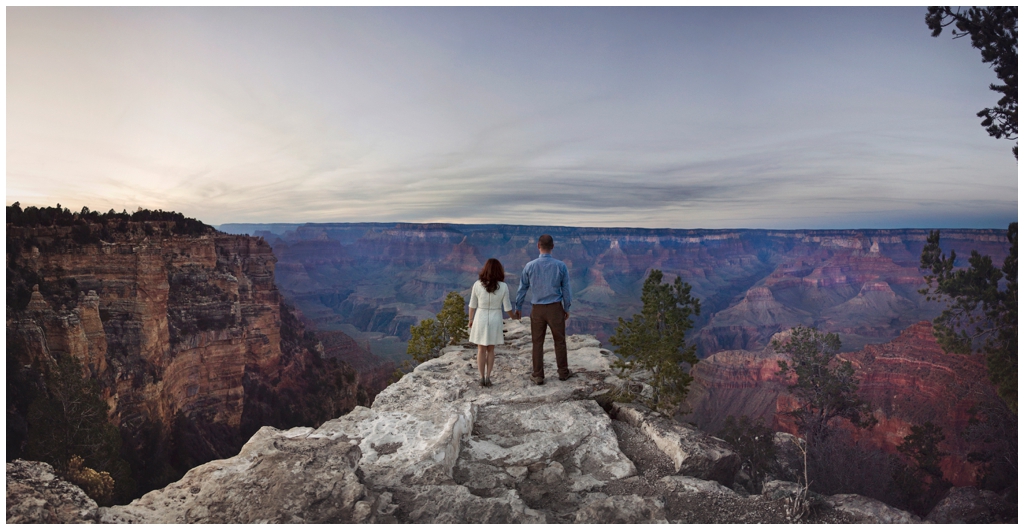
(630, 117)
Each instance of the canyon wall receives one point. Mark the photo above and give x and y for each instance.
(907, 381)
(383, 277)
(186, 335)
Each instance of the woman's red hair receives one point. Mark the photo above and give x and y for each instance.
(491, 274)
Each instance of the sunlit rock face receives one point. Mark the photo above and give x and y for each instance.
(182, 332)
(908, 381)
(862, 284)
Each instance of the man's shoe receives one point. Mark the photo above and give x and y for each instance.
(571, 374)
(538, 380)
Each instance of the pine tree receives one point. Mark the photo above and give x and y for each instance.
(453, 320)
(655, 340)
(426, 341)
(981, 312)
(430, 336)
(825, 389)
(923, 484)
(993, 31)
(68, 422)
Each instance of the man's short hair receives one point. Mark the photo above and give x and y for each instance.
(546, 242)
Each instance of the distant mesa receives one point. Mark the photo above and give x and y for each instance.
(378, 277)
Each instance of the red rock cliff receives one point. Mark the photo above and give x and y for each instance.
(185, 333)
(908, 381)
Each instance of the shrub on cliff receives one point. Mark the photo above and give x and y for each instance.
(825, 388)
(826, 392)
(755, 444)
(430, 336)
(69, 419)
(981, 312)
(922, 482)
(654, 340)
(97, 484)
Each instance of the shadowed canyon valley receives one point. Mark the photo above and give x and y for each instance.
(195, 338)
(380, 278)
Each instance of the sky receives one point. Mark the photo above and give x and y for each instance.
(683, 117)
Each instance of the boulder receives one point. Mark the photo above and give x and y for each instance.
(694, 485)
(971, 505)
(437, 448)
(289, 476)
(622, 509)
(780, 489)
(867, 510)
(694, 453)
(36, 495)
(789, 459)
(456, 504)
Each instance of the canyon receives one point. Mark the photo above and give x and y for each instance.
(907, 381)
(435, 447)
(375, 280)
(185, 335)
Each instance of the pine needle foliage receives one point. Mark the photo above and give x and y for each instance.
(825, 387)
(755, 443)
(923, 484)
(654, 340)
(68, 426)
(981, 309)
(430, 336)
(453, 320)
(993, 31)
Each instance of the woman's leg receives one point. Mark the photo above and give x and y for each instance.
(481, 359)
(490, 360)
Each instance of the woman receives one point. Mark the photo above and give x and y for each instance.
(489, 297)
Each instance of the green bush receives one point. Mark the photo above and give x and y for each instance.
(430, 336)
(655, 340)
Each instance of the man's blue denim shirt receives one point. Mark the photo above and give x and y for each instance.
(548, 278)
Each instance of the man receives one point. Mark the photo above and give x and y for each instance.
(549, 279)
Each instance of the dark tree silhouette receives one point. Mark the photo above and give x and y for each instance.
(981, 315)
(993, 30)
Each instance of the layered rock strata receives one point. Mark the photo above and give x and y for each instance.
(186, 335)
(862, 284)
(908, 381)
(436, 447)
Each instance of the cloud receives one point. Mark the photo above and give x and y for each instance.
(658, 118)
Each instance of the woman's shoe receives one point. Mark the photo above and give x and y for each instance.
(483, 381)
(487, 381)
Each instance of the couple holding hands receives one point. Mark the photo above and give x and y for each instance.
(548, 279)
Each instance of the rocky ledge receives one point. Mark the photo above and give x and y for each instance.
(436, 447)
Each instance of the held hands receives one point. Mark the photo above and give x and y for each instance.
(517, 315)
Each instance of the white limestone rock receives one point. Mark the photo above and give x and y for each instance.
(35, 495)
(694, 485)
(693, 452)
(278, 477)
(436, 447)
(870, 511)
(623, 509)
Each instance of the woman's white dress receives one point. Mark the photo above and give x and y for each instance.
(487, 325)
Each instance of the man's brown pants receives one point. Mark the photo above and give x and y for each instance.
(541, 317)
